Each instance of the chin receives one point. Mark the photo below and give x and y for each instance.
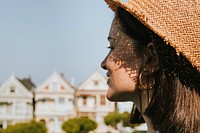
(111, 98)
(116, 98)
(123, 97)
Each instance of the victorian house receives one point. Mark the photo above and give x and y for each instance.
(16, 101)
(54, 102)
(92, 102)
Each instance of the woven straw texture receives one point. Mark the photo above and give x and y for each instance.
(176, 21)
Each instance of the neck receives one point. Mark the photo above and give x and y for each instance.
(149, 124)
(142, 100)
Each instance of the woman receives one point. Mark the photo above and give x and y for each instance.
(154, 61)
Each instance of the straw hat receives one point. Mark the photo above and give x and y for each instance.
(176, 21)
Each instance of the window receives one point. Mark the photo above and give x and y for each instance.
(28, 110)
(1, 109)
(84, 100)
(12, 89)
(91, 101)
(43, 104)
(62, 88)
(46, 87)
(51, 124)
(96, 82)
(9, 109)
(70, 99)
(19, 108)
(54, 85)
(61, 100)
(103, 100)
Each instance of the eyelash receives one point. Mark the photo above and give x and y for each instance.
(111, 48)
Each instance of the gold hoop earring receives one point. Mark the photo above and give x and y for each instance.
(145, 86)
(140, 81)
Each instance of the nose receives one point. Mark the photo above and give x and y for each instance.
(103, 64)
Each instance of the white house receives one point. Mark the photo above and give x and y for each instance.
(92, 102)
(54, 102)
(15, 102)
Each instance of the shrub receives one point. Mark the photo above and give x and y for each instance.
(112, 119)
(31, 127)
(79, 125)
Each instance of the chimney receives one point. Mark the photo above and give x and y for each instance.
(62, 75)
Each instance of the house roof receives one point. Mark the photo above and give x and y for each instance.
(94, 82)
(56, 78)
(27, 83)
(20, 90)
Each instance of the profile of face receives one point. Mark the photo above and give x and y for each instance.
(122, 64)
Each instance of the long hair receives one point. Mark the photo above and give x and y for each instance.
(175, 105)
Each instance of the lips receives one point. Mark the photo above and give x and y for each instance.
(108, 81)
(108, 74)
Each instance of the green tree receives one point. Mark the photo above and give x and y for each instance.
(79, 125)
(112, 119)
(30, 127)
(125, 119)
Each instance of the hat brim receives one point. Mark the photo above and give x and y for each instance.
(178, 23)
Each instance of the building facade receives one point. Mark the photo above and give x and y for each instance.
(92, 102)
(15, 102)
(54, 102)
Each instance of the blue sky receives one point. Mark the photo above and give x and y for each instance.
(38, 37)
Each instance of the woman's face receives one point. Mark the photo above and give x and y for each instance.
(122, 64)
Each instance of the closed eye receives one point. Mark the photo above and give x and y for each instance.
(110, 47)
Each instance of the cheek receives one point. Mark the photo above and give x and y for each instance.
(123, 68)
(125, 80)
(122, 86)
(128, 57)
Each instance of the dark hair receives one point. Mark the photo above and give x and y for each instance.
(133, 27)
(175, 106)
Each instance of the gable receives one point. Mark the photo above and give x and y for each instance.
(14, 88)
(55, 83)
(94, 82)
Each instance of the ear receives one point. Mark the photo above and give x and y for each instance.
(150, 66)
(150, 58)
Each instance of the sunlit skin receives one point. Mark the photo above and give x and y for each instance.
(122, 64)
